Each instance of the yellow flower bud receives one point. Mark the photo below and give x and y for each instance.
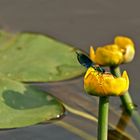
(127, 47)
(105, 84)
(122, 51)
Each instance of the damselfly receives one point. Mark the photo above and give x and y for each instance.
(87, 62)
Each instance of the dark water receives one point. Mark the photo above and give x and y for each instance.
(80, 23)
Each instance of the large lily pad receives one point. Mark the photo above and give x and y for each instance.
(34, 57)
(22, 105)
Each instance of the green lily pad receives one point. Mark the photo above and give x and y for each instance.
(23, 105)
(37, 58)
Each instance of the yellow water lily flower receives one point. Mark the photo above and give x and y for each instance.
(105, 84)
(122, 51)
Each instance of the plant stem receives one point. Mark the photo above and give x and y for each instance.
(127, 100)
(103, 118)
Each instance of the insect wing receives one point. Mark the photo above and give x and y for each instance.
(84, 60)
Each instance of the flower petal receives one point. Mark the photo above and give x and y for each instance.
(105, 84)
(127, 45)
(123, 41)
(108, 55)
(92, 54)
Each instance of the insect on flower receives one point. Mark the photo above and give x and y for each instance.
(98, 82)
(87, 62)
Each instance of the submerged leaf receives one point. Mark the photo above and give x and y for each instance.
(22, 105)
(37, 58)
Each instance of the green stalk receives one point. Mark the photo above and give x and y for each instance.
(103, 118)
(127, 100)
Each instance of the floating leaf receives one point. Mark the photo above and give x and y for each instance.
(33, 57)
(22, 105)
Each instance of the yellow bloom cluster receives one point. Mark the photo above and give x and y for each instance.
(122, 51)
(105, 84)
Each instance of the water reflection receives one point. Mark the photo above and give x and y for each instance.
(85, 113)
(114, 134)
